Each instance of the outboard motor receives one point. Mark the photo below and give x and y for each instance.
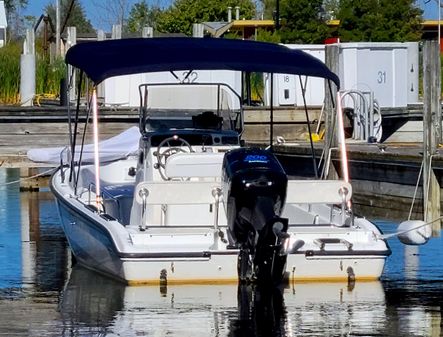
(254, 189)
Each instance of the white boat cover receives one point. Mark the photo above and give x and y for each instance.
(117, 147)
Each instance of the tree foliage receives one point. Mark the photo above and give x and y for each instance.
(12, 5)
(379, 20)
(302, 21)
(268, 8)
(76, 17)
(183, 13)
(331, 8)
(141, 15)
(15, 21)
(112, 12)
(265, 35)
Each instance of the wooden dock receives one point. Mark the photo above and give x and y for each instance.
(384, 176)
(25, 128)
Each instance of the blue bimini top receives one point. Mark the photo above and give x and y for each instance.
(104, 59)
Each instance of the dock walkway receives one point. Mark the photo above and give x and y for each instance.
(382, 174)
(25, 128)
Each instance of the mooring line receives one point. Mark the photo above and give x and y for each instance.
(388, 236)
(28, 178)
(416, 189)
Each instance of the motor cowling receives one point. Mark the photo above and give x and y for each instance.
(254, 191)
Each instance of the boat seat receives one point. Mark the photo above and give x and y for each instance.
(317, 191)
(207, 120)
(194, 164)
(177, 203)
(177, 192)
(117, 201)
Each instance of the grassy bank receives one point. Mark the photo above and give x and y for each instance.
(48, 75)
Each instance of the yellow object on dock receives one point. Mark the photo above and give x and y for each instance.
(316, 137)
(38, 97)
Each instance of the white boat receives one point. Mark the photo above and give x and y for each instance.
(189, 203)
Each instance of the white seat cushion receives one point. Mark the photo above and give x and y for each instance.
(195, 164)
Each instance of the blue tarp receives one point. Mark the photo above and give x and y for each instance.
(104, 59)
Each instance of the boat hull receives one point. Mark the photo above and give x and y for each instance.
(93, 246)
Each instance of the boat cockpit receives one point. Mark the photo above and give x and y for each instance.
(176, 132)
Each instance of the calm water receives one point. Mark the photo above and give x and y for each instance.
(41, 295)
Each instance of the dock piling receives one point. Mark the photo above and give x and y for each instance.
(431, 132)
(332, 53)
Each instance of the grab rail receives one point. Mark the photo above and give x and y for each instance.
(62, 164)
(322, 242)
(103, 193)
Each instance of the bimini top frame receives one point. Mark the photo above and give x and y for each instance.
(104, 59)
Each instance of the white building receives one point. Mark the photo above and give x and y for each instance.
(3, 24)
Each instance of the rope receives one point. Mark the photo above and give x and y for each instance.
(388, 236)
(29, 178)
(415, 191)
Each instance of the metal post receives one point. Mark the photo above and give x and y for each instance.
(57, 28)
(439, 18)
(98, 199)
(148, 32)
(71, 41)
(27, 70)
(101, 36)
(116, 32)
(197, 30)
(271, 115)
(277, 14)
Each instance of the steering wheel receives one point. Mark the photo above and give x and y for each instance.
(180, 146)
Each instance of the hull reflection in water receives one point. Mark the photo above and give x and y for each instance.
(92, 304)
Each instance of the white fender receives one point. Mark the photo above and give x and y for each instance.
(414, 232)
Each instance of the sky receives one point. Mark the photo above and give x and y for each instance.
(92, 9)
(36, 8)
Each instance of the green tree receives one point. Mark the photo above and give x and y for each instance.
(268, 8)
(13, 5)
(379, 20)
(76, 16)
(302, 21)
(141, 15)
(15, 21)
(265, 35)
(183, 13)
(331, 8)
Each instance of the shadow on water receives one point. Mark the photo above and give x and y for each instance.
(41, 295)
(261, 312)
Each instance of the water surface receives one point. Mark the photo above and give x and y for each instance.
(42, 295)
